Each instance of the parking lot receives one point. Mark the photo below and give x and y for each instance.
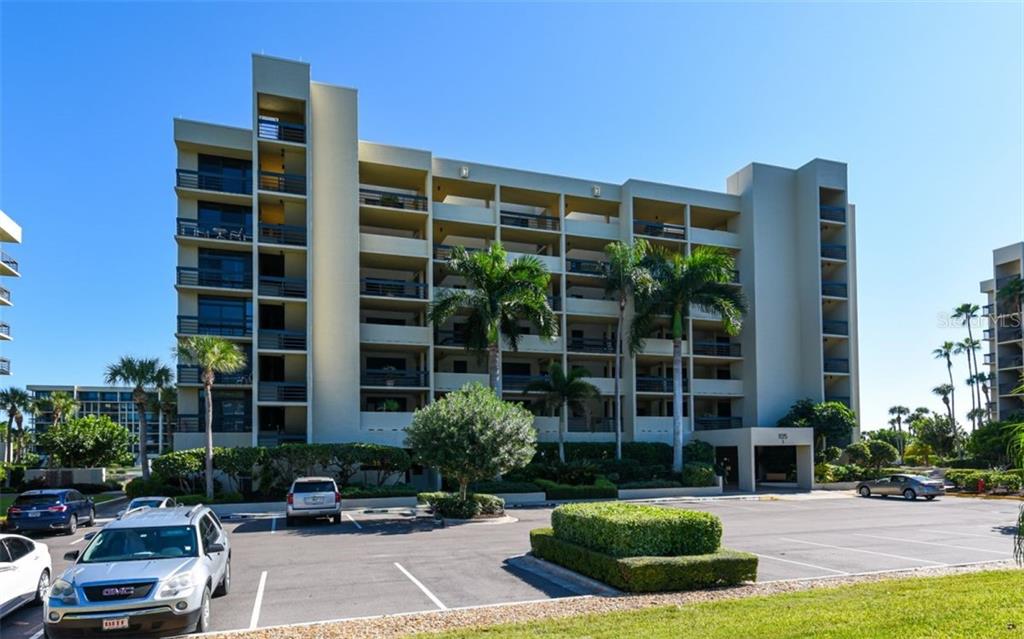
(373, 564)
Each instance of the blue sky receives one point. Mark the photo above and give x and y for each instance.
(924, 101)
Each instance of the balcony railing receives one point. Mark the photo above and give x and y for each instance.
(649, 384)
(529, 221)
(9, 261)
(5, 329)
(192, 228)
(450, 338)
(221, 424)
(717, 349)
(271, 440)
(213, 278)
(1008, 389)
(835, 327)
(833, 289)
(659, 229)
(5, 366)
(519, 382)
(286, 234)
(592, 425)
(212, 181)
(988, 309)
(845, 401)
(5, 295)
(278, 340)
(281, 392)
(273, 129)
(585, 267)
(444, 251)
(389, 377)
(1009, 334)
(283, 182)
(273, 286)
(836, 365)
(988, 333)
(393, 288)
(833, 251)
(591, 345)
(717, 423)
(1014, 361)
(833, 213)
(192, 325)
(192, 375)
(990, 358)
(1006, 279)
(373, 197)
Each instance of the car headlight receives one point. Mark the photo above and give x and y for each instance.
(177, 586)
(63, 590)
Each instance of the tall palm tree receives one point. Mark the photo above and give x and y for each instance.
(139, 373)
(946, 352)
(982, 379)
(626, 275)
(945, 391)
(62, 406)
(501, 294)
(967, 313)
(702, 279)
(12, 401)
(968, 348)
(898, 413)
(562, 392)
(212, 355)
(165, 404)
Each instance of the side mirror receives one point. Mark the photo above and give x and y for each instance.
(89, 535)
(71, 556)
(214, 547)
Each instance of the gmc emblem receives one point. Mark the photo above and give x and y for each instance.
(125, 591)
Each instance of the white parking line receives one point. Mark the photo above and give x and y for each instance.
(866, 552)
(78, 541)
(437, 602)
(800, 563)
(1004, 553)
(255, 617)
(349, 517)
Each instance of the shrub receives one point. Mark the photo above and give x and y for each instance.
(825, 473)
(647, 574)
(698, 474)
(858, 453)
(882, 453)
(576, 472)
(630, 470)
(154, 486)
(644, 453)
(183, 467)
(699, 451)
(370, 492)
(506, 487)
(452, 506)
(653, 483)
(95, 489)
(830, 454)
(385, 460)
(87, 442)
(634, 530)
(600, 489)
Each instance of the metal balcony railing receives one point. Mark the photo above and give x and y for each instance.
(591, 345)
(529, 221)
(717, 349)
(278, 340)
(393, 288)
(1012, 361)
(833, 251)
(192, 325)
(662, 230)
(213, 278)
(652, 384)
(444, 251)
(717, 423)
(5, 329)
(833, 289)
(281, 392)
(5, 295)
(273, 286)
(450, 338)
(192, 375)
(585, 267)
(836, 365)
(213, 181)
(988, 309)
(195, 423)
(833, 213)
(10, 262)
(286, 234)
(988, 333)
(519, 382)
(990, 358)
(283, 182)
(5, 366)
(1009, 334)
(373, 197)
(192, 228)
(395, 377)
(835, 327)
(592, 425)
(274, 129)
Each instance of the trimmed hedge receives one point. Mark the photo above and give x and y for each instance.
(358, 491)
(449, 505)
(645, 453)
(647, 574)
(492, 487)
(968, 479)
(698, 474)
(654, 483)
(600, 489)
(635, 530)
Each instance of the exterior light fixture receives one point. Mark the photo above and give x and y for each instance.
(595, 190)
(463, 172)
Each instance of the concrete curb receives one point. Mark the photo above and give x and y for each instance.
(562, 577)
(493, 521)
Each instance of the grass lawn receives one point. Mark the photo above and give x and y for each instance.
(986, 605)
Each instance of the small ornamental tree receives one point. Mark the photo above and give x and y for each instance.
(859, 453)
(93, 441)
(472, 435)
(833, 422)
(882, 453)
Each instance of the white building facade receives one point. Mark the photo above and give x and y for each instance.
(1003, 338)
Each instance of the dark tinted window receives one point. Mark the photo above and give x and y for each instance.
(17, 548)
(138, 544)
(5, 557)
(208, 531)
(37, 500)
(314, 487)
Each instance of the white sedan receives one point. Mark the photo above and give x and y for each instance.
(24, 572)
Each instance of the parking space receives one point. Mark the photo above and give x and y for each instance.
(373, 563)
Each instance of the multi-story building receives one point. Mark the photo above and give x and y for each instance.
(113, 401)
(1005, 356)
(320, 254)
(10, 232)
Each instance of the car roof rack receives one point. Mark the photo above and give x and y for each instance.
(192, 511)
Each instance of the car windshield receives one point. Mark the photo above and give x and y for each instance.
(314, 487)
(137, 544)
(145, 503)
(37, 500)
(917, 478)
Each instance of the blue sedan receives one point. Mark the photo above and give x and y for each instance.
(62, 509)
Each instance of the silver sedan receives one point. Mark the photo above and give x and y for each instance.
(909, 486)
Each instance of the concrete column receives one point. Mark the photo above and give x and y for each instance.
(805, 467)
(745, 467)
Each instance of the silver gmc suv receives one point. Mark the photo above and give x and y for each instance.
(152, 572)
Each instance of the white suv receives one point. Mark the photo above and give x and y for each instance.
(314, 497)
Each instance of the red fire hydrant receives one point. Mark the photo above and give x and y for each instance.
(981, 485)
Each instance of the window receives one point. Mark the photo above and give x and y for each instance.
(233, 266)
(208, 531)
(141, 544)
(5, 557)
(230, 216)
(460, 366)
(231, 410)
(225, 315)
(377, 363)
(17, 548)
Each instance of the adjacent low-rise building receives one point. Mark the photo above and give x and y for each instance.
(1005, 356)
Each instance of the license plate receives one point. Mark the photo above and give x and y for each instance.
(33, 514)
(315, 500)
(119, 623)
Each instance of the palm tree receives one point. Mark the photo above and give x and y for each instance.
(983, 380)
(1012, 293)
(562, 392)
(12, 401)
(212, 355)
(62, 406)
(944, 391)
(898, 413)
(501, 295)
(968, 347)
(967, 313)
(946, 352)
(165, 404)
(626, 275)
(702, 279)
(140, 373)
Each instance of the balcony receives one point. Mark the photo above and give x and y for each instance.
(591, 345)
(529, 221)
(394, 334)
(213, 278)
(193, 229)
(988, 309)
(10, 263)
(193, 423)
(833, 251)
(274, 129)
(833, 289)
(283, 183)
(591, 425)
(281, 392)
(212, 181)
(404, 289)
(454, 381)
(395, 377)
(450, 338)
(835, 327)
(290, 287)
(652, 384)
(279, 340)
(717, 423)
(1006, 279)
(5, 331)
(387, 199)
(990, 358)
(833, 213)
(988, 333)
(659, 230)
(192, 325)
(288, 235)
(585, 267)
(5, 366)
(717, 387)
(192, 375)
(1008, 389)
(717, 349)
(1009, 334)
(444, 251)
(836, 365)
(519, 382)
(5, 297)
(392, 246)
(1016, 361)
(585, 306)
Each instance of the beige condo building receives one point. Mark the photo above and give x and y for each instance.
(1005, 356)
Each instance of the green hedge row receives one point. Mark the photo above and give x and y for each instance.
(450, 505)
(492, 487)
(968, 479)
(646, 453)
(635, 530)
(600, 489)
(647, 574)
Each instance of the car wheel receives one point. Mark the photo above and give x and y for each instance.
(930, 497)
(225, 583)
(909, 494)
(337, 518)
(289, 521)
(864, 491)
(92, 518)
(73, 524)
(44, 583)
(203, 623)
